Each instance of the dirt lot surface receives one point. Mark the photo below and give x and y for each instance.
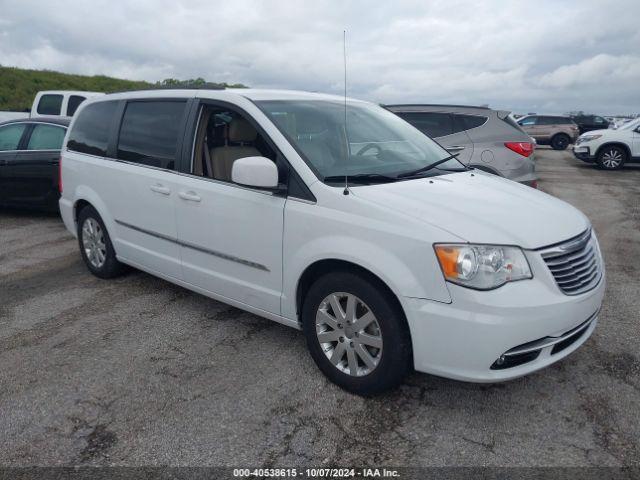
(137, 371)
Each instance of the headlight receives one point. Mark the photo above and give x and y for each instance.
(482, 267)
(588, 138)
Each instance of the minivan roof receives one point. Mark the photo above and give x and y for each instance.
(250, 93)
(431, 105)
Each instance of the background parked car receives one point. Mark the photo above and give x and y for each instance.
(53, 103)
(610, 148)
(552, 130)
(486, 139)
(29, 162)
(586, 123)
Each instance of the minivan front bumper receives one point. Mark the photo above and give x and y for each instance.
(498, 335)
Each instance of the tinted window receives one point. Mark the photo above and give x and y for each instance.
(149, 133)
(527, 121)
(73, 104)
(90, 133)
(547, 121)
(432, 124)
(599, 120)
(564, 120)
(467, 122)
(46, 137)
(50, 104)
(10, 136)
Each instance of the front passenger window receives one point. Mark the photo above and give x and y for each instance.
(223, 137)
(10, 136)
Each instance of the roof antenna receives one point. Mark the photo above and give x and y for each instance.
(346, 173)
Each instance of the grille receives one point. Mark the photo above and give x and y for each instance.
(575, 264)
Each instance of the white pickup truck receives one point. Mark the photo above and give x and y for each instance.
(56, 103)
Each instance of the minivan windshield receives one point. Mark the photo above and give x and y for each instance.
(375, 146)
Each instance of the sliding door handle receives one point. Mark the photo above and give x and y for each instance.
(190, 196)
(160, 189)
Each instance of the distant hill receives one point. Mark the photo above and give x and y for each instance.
(18, 86)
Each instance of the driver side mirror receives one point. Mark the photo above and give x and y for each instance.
(257, 172)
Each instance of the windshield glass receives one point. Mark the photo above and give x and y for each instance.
(375, 142)
(630, 125)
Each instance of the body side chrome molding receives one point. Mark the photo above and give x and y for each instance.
(192, 246)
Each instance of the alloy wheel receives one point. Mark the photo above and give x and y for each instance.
(349, 334)
(93, 242)
(612, 158)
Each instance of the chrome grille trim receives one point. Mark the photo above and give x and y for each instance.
(575, 264)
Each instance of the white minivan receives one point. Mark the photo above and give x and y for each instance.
(338, 218)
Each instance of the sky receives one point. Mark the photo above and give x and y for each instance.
(544, 56)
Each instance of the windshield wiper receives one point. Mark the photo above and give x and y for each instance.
(427, 168)
(361, 177)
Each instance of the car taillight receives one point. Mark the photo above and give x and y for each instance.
(534, 184)
(60, 175)
(522, 148)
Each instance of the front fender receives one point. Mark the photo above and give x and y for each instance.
(420, 278)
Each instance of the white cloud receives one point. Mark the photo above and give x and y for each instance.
(552, 56)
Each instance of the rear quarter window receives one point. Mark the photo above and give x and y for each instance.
(432, 124)
(50, 104)
(467, 122)
(90, 132)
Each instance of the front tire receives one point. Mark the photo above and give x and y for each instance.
(95, 245)
(611, 157)
(560, 141)
(356, 333)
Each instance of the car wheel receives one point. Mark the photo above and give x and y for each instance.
(611, 157)
(356, 333)
(95, 245)
(560, 141)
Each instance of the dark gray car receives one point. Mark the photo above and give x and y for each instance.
(483, 138)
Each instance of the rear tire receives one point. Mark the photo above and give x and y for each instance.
(560, 141)
(356, 333)
(95, 245)
(611, 157)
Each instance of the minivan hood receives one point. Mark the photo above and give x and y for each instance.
(600, 132)
(481, 208)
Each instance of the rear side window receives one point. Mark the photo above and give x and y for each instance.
(467, 122)
(432, 124)
(50, 104)
(149, 133)
(547, 121)
(73, 104)
(46, 137)
(10, 136)
(90, 132)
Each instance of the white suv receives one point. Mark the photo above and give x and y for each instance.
(337, 218)
(610, 149)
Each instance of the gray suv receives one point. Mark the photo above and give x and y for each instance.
(483, 138)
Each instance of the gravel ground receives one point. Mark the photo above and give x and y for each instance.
(137, 371)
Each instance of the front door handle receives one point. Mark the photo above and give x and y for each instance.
(160, 189)
(191, 196)
(455, 148)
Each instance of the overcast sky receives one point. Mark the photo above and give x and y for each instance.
(542, 56)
